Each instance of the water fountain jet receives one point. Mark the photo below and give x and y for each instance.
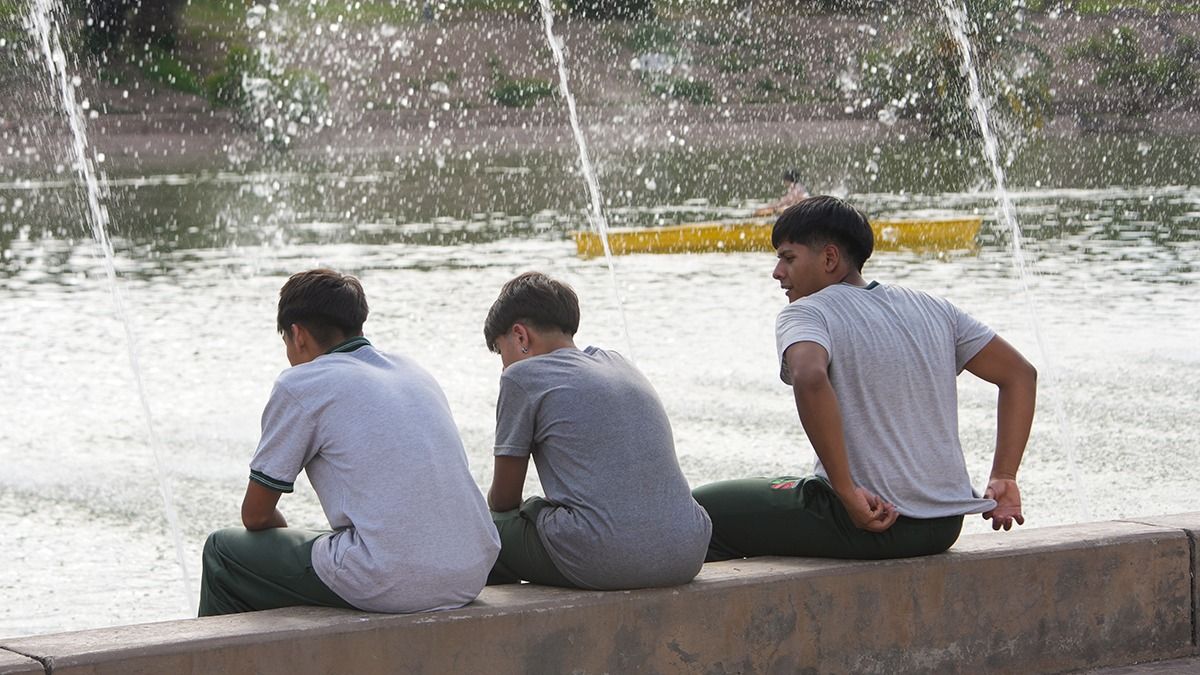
(596, 211)
(42, 24)
(956, 18)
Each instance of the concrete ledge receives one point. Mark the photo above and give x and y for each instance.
(1189, 523)
(14, 664)
(1038, 600)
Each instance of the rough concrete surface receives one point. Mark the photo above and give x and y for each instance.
(16, 664)
(1189, 523)
(1039, 600)
(1172, 667)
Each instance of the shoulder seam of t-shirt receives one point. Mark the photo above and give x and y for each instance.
(510, 377)
(288, 391)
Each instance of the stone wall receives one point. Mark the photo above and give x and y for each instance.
(1037, 600)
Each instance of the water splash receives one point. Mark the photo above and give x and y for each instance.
(596, 213)
(956, 18)
(42, 23)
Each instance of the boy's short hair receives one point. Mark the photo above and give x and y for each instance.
(325, 302)
(822, 220)
(535, 299)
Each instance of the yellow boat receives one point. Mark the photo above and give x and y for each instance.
(920, 234)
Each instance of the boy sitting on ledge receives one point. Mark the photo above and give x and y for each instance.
(618, 513)
(873, 368)
(374, 434)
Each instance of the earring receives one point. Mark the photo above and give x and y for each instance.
(524, 350)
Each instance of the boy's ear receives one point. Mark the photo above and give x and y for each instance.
(521, 333)
(300, 335)
(832, 255)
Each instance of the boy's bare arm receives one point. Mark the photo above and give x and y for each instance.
(258, 508)
(817, 405)
(1002, 365)
(508, 483)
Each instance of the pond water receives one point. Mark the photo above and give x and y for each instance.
(1113, 241)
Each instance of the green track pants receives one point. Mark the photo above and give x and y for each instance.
(246, 571)
(793, 516)
(522, 555)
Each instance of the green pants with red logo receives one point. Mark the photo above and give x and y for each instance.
(793, 516)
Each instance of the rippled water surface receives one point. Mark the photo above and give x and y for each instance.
(1113, 239)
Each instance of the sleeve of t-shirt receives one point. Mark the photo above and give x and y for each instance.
(515, 417)
(970, 336)
(288, 442)
(799, 322)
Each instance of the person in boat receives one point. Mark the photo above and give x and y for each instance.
(873, 369)
(618, 512)
(374, 433)
(794, 192)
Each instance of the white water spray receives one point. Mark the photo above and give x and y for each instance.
(956, 17)
(44, 27)
(596, 213)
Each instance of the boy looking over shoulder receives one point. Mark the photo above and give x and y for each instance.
(618, 513)
(374, 433)
(873, 369)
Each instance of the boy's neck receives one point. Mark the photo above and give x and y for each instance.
(348, 344)
(853, 277)
(552, 342)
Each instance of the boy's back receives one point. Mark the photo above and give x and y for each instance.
(375, 435)
(605, 456)
(894, 355)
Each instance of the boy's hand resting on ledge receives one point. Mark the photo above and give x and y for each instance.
(1008, 503)
(869, 512)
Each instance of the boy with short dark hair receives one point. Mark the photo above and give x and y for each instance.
(873, 369)
(374, 434)
(617, 513)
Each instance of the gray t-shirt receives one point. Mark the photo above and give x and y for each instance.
(894, 356)
(374, 433)
(624, 516)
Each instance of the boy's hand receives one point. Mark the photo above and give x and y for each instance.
(869, 512)
(1008, 503)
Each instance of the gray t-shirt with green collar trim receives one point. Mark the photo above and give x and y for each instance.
(375, 435)
(894, 358)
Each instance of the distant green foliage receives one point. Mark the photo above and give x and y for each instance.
(733, 63)
(300, 95)
(516, 92)
(521, 92)
(925, 81)
(163, 66)
(224, 89)
(686, 89)
(1133, 81)
(850, 6)
(645, 37)
(766, 85)
(137, 22)
(1108, 6)
(279, 105)
(612, 9)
